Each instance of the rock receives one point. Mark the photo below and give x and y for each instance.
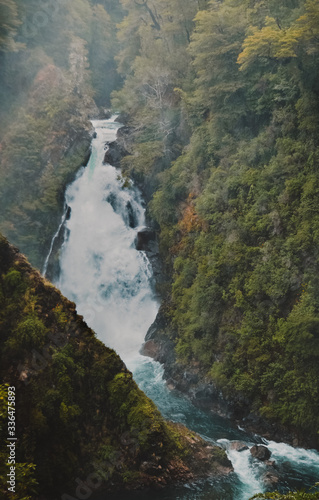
(146, 240)
(101, 114)
(151, 468)
(270, 479)
(108, 157)
(122, 118)
(170, 385)
(270, 463)
(157, 326)
(114, 153)
(150, 349)
(68, 213)
(295, 443)
(132, 220)
(238, 446)
(107, 114)
(260, 452)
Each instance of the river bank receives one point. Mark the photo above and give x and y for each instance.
(204, 394)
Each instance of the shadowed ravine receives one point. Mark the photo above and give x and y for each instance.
(109, 280)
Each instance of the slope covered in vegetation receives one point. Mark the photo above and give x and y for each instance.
(55, 57)
(80, 419)
(224, 114)
(223, 123)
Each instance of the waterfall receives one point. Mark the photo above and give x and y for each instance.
(101, 270)
(63, 218)
(109, 280)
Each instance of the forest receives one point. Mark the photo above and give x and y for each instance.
(220, 102)
(57, 65)
(223, 105)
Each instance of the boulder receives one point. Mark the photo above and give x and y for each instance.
(150, 349)
(108, 157)
(270, 463)
(114, 152)
(260, 452)
(238, 446)
(106, 114)
(68, 213)
(270, 479)
(122, 118)
(146, 240)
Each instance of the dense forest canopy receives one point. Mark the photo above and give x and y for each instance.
(223, 99)
(57, 64)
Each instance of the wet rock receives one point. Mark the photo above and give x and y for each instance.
(238, 446)
(146, 240)
(150, 349)
(107, 157)
(68, 213)
(111, 199)
(114, 153)
(132, 220)
(270, 479)
(170, 385)
(106, 114)
(209, 397)
(101, 114)
(270, 463)
(260, 452)
(122, 118)
(158, 326)
(158, 351)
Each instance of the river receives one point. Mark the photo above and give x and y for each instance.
(109, 280)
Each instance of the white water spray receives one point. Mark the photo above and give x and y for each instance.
(101, 270)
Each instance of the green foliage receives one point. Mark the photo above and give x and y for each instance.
(238, 205)
(54, 59)
(297, 495)
(9, 23)
(135, 410)
(26, 484)
(73, 394)
(29, 333)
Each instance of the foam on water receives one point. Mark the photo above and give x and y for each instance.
(101, 270)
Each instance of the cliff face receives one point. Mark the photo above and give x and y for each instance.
(81, 421)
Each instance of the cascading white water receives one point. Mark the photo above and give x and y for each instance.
(101, 270)
(109, 280)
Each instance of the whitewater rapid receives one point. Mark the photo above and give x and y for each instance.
(101, 270)
(109, 280)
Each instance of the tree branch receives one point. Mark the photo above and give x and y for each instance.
(155, 22)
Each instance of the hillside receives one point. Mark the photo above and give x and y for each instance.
(79, 416)
(220, 101)
(223, 135)
(57, 68)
